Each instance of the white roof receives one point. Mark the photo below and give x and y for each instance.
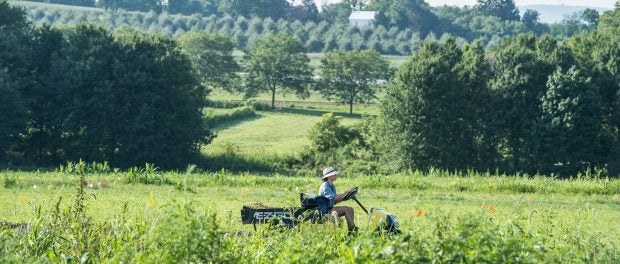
(362, 15)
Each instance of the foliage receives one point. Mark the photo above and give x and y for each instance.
(530, 20)
(327, 33)
(238, 113)
(92, 95)
(329, 134)
(571, 111)
(277, 62)
(352, 77)
(226, 104)
(504, 9)
(13, 118)
(519, 84)
(414, 14)
(14, 75)
(212, 58)
(427, 118)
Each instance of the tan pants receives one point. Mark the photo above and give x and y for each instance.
(347, 212)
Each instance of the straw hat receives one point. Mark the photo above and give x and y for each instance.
(329, 171)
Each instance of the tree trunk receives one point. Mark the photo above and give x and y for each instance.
(351, 107)
(273, 99)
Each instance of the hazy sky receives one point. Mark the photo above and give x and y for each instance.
(593, 3)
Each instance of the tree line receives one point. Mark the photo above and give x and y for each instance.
(85, 93)
(396, 31)
(129, 98)
(534, 105)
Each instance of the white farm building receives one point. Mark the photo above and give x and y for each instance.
(361, 18)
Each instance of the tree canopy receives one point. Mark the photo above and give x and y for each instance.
(277, 62)
(212, 58)
(352, 77)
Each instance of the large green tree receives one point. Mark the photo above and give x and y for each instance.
(275, 9)
(424, 122)
(277, 62)
(127, 98)
(474, 75)
(352, 77)
(413, 14)
(12, 114)
(570, 129)
(14, 73)
(212, 58)
(519, 83)
(41, 142)
(504, 9)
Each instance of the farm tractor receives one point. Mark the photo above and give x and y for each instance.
(316, 210)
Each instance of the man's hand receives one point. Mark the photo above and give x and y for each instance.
(350, 193)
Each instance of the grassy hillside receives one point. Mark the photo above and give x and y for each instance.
(275, 133)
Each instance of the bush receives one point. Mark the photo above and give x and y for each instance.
(328, 134)
(234, 114)
(258, 106)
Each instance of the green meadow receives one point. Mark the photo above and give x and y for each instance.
(445, 217)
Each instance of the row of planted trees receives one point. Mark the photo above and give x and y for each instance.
(388, 35)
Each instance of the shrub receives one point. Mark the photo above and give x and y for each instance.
(234, 114)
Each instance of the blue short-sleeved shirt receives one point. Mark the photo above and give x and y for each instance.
(328, 190)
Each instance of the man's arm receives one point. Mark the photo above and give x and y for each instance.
(339, 198)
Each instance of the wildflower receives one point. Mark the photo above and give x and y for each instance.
(484, 206)
(151, 199)
(420, 212)
(24, 200)
(492, 208)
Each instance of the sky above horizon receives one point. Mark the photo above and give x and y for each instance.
(591, 3)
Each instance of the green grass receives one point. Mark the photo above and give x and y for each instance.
(538, 219)
(29, 4)
(277, 133)
(314, 102)
(395, 61)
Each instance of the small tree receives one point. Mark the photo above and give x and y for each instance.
(350, 77)
(330, 134)
(211, 57)
(277, 62)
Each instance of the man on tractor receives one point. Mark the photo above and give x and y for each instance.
(329, 190)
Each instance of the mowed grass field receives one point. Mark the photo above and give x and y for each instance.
(283, 132)
(445, 217)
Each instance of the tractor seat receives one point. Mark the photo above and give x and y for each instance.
(310, 201)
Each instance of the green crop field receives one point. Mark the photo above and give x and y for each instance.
(149, 216)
